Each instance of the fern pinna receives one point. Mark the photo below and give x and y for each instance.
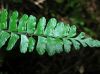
(55, 37)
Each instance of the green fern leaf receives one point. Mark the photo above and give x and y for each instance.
(58, 45)
(75, 43)
(22, 24)
(67, 29)
(54, 46)
(52, 38)
(31, 23)
(92, 43)
(31, 44)
(80, 38)
(3, 37)
(51, 46)
(13, 39)
(13, 21)
(59, 30)
(67, 45)
(3, 19)
(41, 45)
(72, 31)
(24, 44)
(50, 27)
(40, 26)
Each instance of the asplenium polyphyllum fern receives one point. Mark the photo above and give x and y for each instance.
(53, 37)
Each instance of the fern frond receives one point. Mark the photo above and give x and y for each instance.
(53, 37)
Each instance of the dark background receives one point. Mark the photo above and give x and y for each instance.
(85, 14)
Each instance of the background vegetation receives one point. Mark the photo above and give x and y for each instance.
(85, 14)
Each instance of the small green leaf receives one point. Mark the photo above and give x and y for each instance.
(31, 24)
(3, 37)
(54, 45)
(22, 23)
(80, 38)
(24, 44)
(13, 39)
(67, 29)
(13, 21)
(3, 19)
(75, 43)
(92, 43)
(40, 26)
(51, 46)
(59, 30)
(67, 45)
(67, 26)
(58, 45)
(50, 27)
(82, 42)
(96, 43)
(89, 41)
(41, 45)
(31, 44)
(72, 31)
